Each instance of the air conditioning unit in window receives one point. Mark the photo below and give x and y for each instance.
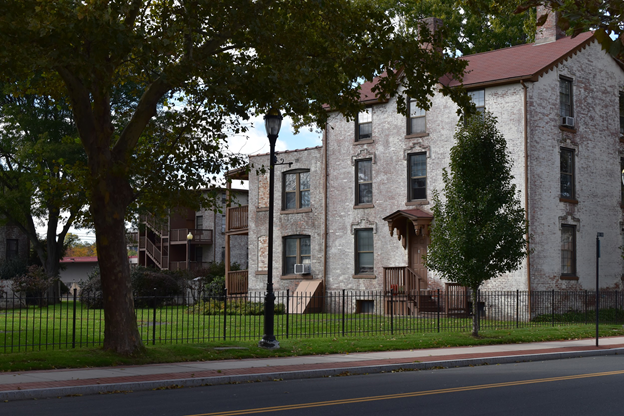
(302, 269)
(568, 121)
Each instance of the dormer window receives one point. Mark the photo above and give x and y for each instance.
(416, 122)
(364, 125)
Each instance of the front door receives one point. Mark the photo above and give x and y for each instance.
(417, 250)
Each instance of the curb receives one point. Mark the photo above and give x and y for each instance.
(290, 375)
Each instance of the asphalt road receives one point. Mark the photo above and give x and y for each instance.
(583, 386)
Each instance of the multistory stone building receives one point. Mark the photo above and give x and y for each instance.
(357, 209)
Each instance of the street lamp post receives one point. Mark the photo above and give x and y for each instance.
(189, 238)
(272, 123)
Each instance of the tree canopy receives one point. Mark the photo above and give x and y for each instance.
(483, 27)
(479, 228)
(221, 61)
(41, 166)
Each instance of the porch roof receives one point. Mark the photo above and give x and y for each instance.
(398, 221)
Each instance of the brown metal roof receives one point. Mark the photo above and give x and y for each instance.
(522, 62)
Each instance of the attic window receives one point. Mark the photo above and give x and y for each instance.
(364, 125)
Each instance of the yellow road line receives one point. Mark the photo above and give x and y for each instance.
(406, 395)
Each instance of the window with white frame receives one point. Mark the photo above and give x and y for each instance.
(416, 122)
(364, 125)
(417, 176)
(364, 182)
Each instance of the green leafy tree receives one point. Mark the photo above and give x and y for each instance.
(479, 225)
(193, 71)
(477, 29)
(40, 161)
(605, 17)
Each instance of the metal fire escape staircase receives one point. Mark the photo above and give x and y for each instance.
(158, 253)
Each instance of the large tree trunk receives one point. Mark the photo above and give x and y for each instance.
(108, 207)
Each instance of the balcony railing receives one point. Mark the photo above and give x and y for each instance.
(401, 280)
(141, 242)
(199, 235)
(238, 218)
(237, 282)
(159, 225)
(193, 265)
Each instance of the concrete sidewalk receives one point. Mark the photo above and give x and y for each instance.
(57, 383)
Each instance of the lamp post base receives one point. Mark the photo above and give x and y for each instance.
(268, 344)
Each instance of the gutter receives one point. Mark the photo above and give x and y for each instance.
(325, 203)
(526, 188)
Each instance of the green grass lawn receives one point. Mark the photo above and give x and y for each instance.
(59, 327)
(202, 351)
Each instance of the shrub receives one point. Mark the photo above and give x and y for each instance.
(33, 285)
(91, 291)
(234, 307)
(147, 283)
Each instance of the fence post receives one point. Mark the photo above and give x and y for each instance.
(343, 312)
(154, 318)
(552, 307)
(478, 310)
(225, 314)
(287, 310)
(586, 300)
(391, 311)
(74, 323)
(438, 311)
(517, 307)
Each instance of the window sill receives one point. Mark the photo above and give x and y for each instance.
(568, 200)
(363, 206)
(296, 277)
(568, 129)
(566, 277)
(416, 135)
(417, 202)
(364, 276)
(262, 272)
(295, 211)
(262, 209)
(369, 141)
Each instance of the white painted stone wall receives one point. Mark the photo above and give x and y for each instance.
(287, 223)
(597, 82)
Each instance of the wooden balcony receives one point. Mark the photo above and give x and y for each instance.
(200, 236)
(237, 219)
(193, 265)
(237, 282)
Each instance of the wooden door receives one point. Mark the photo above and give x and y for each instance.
(416, 254)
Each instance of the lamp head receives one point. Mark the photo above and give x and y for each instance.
(273, 122)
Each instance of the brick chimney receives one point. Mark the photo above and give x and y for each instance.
(549, 31)
(433, 24)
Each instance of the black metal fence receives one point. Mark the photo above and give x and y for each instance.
(33, 323)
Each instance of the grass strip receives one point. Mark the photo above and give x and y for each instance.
(96, 357)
